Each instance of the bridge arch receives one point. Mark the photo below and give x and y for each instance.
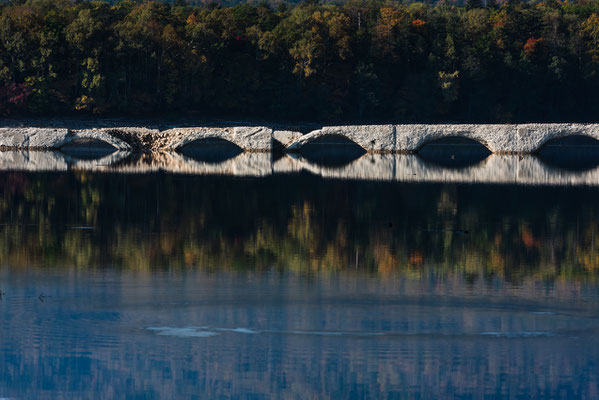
(570, 153)
(372, 138)
(569, 140)
(96, 136)
(330, 139)
(210, 149)
(411, 138)
(454, 152)
(585, 134)
(88, 148)
(331, 150)
(250, 138)
(454, 140)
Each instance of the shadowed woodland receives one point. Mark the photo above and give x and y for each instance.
(359, 61)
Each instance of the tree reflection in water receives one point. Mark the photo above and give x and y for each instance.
(297, 223)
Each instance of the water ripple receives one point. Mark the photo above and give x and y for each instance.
(518, 334)
(182, 332)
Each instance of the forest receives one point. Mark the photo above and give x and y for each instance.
(356, 62)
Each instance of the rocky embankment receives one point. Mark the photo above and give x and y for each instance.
(502, 139)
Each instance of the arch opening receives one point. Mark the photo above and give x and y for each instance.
(211, 150)
(88, 148)
(454, 152)
(571, 153)
(332, 151)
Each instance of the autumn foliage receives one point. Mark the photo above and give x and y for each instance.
(359, 61)
(13, 96)
(531, 45)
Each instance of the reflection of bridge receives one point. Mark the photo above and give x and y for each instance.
(521, 139)
(504, 169)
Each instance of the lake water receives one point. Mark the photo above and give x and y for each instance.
(161, 285)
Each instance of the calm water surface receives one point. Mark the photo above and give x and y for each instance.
(294, 286)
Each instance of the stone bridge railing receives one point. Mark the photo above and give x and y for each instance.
(502, 139)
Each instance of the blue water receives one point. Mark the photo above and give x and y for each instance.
(107, 334)
(295, 287)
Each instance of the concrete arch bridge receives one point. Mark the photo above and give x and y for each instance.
(502, 139)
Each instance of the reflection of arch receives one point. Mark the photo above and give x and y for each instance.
(105, 162)
(331, 150)
(453, 152)
(211, 149)
(245, 164)
(571, 152)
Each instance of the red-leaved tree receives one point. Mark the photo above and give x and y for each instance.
(13, 96)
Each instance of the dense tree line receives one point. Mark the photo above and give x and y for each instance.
(367, 60)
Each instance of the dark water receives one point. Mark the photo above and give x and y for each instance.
(293, 286)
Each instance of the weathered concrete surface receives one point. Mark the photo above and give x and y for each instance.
(497, 138)
(373, 138)
(255, 138)
(249, 138)
(502, 139)
(518, 139)
(32, 138)
(531, 137)
(285, 138)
